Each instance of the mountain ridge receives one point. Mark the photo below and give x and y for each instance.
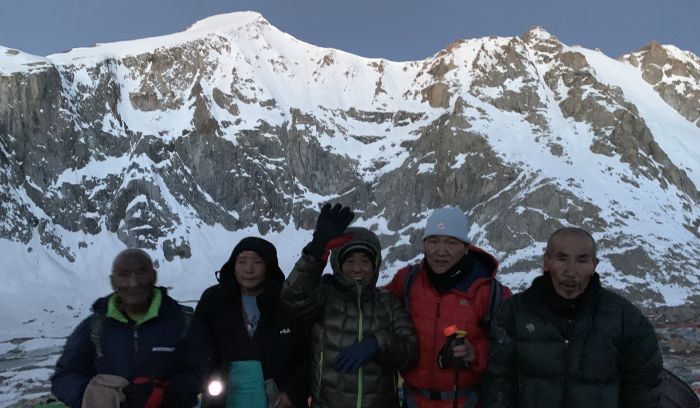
(150, 148)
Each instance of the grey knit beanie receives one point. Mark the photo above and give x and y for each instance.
(448, 221)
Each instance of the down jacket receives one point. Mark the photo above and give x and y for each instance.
(604, 356)
(345, 311)
(431, 312)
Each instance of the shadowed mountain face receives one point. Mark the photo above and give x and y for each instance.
(235, 125)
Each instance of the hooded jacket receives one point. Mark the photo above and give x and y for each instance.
(280, 341)
(345, 311)
(601, 353)
(164, 347)
(464, 305)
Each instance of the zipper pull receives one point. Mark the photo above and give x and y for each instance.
(136, 340)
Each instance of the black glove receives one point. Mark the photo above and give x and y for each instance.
(331, 222)
(446, 355)
(352, 357)
(137, 395)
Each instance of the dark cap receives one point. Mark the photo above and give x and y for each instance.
(353, 247)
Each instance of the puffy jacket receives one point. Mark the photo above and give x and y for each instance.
(280, 342)
(167, 346)
(345, 311)
(605, 356)
(465, 306)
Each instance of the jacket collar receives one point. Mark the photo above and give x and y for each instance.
(152, 312)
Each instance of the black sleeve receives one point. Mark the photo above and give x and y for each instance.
(296, 383)
(75, 367)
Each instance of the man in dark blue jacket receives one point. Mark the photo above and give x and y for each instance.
(139, 348)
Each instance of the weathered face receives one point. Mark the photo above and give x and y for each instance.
(357, 266)
(442, 252)
(250, 272)
(133, 279)
(570, 263)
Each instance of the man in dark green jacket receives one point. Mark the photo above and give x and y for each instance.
(568, 342)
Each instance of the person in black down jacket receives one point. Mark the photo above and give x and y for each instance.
(568, 342)
(260, 352)
(361, 335)
(139, 343)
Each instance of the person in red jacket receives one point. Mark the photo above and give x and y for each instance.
(450, 289)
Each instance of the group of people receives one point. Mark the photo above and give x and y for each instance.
(444, 332)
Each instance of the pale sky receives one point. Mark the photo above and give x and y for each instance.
(394, 29)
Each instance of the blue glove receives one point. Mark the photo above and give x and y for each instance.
(352, 357)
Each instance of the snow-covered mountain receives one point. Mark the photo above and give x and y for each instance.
(183, 144)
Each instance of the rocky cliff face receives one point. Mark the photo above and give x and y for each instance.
(235, 125)
(673, 73)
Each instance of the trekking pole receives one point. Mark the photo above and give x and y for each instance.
(456, 336)
(455, 401)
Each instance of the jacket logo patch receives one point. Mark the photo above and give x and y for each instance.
(530, 328)
(285, 331)
(163, 349)
(464, 302)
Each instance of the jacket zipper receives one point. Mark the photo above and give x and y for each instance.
(136, 339)
(359, 338)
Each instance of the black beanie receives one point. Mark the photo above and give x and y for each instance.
(348, 250)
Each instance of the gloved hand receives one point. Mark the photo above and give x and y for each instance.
(456, 352)
(352, 357)
(137, 395)
(331, 222)
(144, 392)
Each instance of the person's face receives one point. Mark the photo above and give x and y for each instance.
(570, 263)
(250, 272)
(357, 266)
(443, 252)
(133, 279)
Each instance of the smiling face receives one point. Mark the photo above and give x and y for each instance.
(250, 271)
(357, 265)
(133, 278)
(443, 252)
(570, 260)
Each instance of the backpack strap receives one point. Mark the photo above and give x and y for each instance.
(187, 313)
(96, 323)
(495, 302)
(407, 284)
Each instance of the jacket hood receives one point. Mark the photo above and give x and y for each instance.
(358, 236)
(274, 277)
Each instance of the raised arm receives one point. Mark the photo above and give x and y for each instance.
(301, 291)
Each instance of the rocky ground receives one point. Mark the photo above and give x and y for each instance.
(678, 330)
(24, 369)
